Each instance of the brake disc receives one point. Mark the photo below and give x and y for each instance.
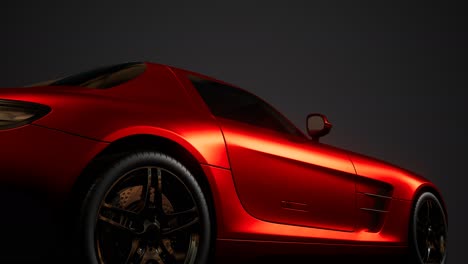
(129, 198)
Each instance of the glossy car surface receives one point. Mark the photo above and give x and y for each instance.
(270, 189)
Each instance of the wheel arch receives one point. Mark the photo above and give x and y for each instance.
(136, 143)
(429, 187)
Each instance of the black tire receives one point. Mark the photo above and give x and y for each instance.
(428, 232)
(169, 216)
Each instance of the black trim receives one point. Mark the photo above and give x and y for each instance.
(373, 210)
(378, 195)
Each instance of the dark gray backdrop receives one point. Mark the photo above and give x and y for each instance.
(390, 77)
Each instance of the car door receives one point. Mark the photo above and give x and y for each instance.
(283, 179)
(280, 175)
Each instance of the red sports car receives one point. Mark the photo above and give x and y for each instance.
(163, 165)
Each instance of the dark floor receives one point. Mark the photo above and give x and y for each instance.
(24, 258)
(317, 259)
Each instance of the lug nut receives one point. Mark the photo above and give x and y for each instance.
(140, 251)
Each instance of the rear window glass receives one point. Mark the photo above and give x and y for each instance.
(104, 77)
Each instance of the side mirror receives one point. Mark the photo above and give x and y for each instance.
(317, 126)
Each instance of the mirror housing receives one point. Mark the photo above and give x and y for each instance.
(317, 126)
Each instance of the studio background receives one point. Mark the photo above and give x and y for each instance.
(391, 78)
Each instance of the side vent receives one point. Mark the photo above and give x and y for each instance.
(373, 202)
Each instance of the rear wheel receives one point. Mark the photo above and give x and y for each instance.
(147, 208)
(429, 230)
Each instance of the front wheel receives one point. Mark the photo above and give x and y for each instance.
(429, 230)
(147, 208)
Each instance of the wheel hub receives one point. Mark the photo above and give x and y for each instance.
(153, 230)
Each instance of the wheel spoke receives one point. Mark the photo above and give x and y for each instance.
(119, 210)
(165, 245)
(116, 224)
(182, 213)
(421, 229)
(422, 221)
(145, 194)
(133, 256)
(439, 229)
(428, 253)
(181, 217)
(428, 205)
(158, 201)
(169, 230)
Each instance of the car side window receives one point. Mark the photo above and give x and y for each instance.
(236, 104)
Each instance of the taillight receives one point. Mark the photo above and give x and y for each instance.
(18, 113)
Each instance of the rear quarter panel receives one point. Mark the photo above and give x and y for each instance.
(153, 104)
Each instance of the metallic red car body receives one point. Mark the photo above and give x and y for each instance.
(272, 193)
